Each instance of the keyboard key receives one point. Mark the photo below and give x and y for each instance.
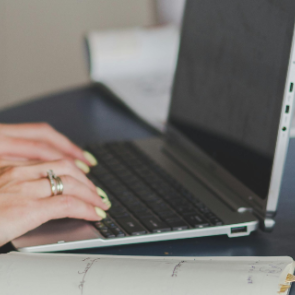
(118, 212)
(139, 186)
(177, 223)
(156, 203)
(216, 221)
(196, 221)
(186, 210)
(116, 189)
(129, 178)
(131, 226)
(118, 232)
(148, 196)
(155, 225)
(107, 233)
(179, 202)
(109, 223)
(145, 189)
(117, 215)
(202, 208)
(118, 207)
(138, 208)
(147, 214)
(169, 198)
(106, 221)
(210, 215)
(188, 195)
(159, 207)
(167, 214)
(128, 200)
(99, 225)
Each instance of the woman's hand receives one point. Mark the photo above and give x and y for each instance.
(39, 141)
(26, 199)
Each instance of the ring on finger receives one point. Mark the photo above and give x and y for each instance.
(59, 186)
(50, 176)
(55, 183)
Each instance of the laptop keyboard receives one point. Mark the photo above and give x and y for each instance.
(145, 199)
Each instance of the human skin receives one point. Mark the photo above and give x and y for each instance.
(27, 152)
(38, 141)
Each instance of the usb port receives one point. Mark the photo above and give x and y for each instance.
(237, 230)
(287, 109)
(291, 87)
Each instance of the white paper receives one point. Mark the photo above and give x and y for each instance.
(60, 274)
(138, 66)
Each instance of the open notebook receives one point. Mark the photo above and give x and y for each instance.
(62, 274)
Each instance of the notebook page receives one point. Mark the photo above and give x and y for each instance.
(103, 274)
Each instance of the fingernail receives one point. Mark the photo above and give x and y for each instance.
(100, 212)
(82, 166)
(90, 158)
(104, 197)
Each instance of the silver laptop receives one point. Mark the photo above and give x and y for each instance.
(218, 169)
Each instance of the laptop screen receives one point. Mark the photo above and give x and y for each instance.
(230, 80)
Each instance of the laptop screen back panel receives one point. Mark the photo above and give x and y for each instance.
(233, 88)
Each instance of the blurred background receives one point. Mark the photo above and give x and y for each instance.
(41, 42)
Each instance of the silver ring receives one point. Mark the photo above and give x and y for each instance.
(56, 184)
(59, 186)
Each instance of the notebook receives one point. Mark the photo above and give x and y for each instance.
(61, 274)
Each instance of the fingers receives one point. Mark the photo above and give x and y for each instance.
(31, 180)
(41, 188)
(21, 216)
(60, 167)
(24, 148)
(10, 161)
(67, 206)
(19, 151)
(43, 132)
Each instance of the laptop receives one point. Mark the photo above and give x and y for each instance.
(218, 168)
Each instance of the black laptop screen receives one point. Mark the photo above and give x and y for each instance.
(230, 81)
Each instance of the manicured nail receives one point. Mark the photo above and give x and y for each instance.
(90, 158)
(82, 166)
(100, 212)
(104, 197)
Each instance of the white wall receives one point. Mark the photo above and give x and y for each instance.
(41, 48)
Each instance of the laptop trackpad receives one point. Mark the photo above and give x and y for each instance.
(58, 231)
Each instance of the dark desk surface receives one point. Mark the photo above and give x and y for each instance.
(88, 115)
